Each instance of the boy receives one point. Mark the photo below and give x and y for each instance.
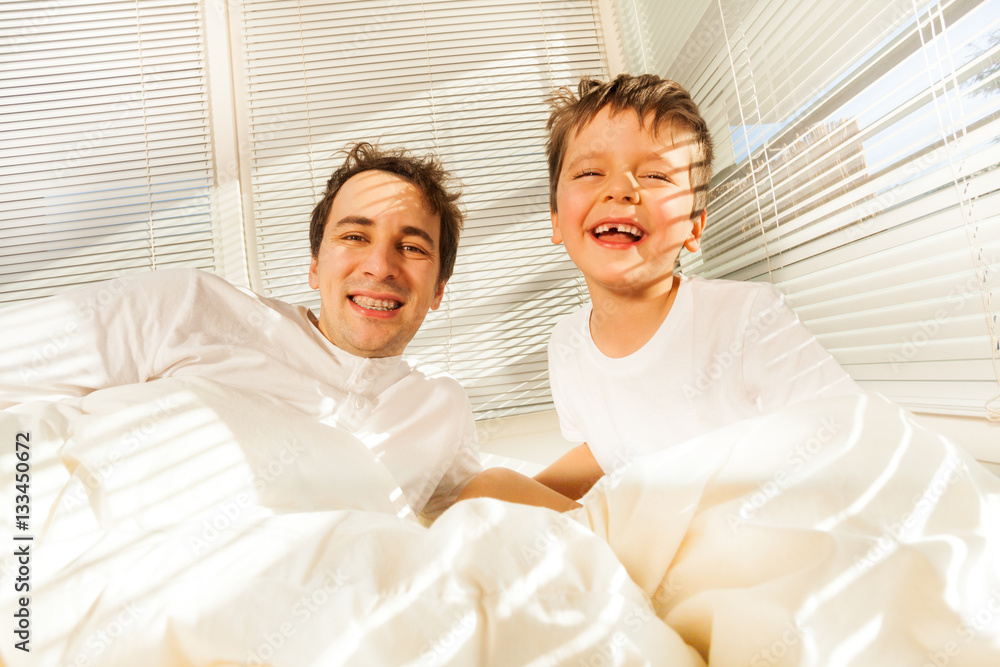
(657, 358)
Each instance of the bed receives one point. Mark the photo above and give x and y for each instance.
(182, 522)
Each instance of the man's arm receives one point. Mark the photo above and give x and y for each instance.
(573, 474)
(512, 486)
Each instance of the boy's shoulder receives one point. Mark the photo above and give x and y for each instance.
(722, 288)
(574, 325)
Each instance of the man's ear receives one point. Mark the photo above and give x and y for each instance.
(697, 228)
(438, 295)
(313, 275)
(556, 234)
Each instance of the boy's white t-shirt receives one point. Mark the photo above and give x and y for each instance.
(415, 418)
(727, 351)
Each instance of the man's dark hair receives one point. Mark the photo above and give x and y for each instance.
(648, 96)
(426, 174)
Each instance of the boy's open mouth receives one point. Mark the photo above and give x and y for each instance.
(374, 304)
(617, 232)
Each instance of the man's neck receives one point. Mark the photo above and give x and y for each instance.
(620, 324)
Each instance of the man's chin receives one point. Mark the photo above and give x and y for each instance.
(373, 346)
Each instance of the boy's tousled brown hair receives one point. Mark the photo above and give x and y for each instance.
(646, 95)
(426, 174)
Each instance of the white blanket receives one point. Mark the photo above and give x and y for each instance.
(184, 523)
(837, 532)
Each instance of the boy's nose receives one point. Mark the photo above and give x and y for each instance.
(623, 187)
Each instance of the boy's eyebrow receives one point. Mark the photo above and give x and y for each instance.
(362, 221)
(590, 155)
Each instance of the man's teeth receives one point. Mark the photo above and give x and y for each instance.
(375, 304)
(618, 227)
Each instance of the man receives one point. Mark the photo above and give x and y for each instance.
(383, 241)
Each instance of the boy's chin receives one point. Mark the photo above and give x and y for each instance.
(634, 283)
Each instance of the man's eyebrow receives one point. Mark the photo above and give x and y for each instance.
(361, 221)
(416, 231)
(354, 220)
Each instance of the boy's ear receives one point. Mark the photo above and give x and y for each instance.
(697, 227)
(556, 234)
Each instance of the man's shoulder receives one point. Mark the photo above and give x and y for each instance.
(176, 282)
(431, 377)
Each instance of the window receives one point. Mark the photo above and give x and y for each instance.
(857, 169)
(143, 134)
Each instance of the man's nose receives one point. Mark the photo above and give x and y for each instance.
(623, 187)
(381, 262)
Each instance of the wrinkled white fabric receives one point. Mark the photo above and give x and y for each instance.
(185, 323)
(834, 532)
(184, 522)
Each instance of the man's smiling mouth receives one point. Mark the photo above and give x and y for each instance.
(617, 232)
(375, 304)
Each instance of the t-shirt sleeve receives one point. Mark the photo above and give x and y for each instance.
(560, 353)
(783, 363)
(68, 345)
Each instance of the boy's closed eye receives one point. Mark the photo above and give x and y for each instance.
(658, 176)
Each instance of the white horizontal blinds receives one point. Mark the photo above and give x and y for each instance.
(857, 169)
(105, 165)
(464, 79)
(649, 34)
(320, 75)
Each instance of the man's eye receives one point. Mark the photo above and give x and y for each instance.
(413, 248)
(353, 237)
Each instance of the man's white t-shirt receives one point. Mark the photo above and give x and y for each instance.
(726, 351)
(416, 419)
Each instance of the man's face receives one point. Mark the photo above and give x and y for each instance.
(377, 266)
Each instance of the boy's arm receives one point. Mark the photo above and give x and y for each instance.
(573, 473)
(512, 486)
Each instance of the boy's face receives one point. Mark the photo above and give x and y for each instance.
(624, 202)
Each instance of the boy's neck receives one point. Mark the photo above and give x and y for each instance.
(621, 324)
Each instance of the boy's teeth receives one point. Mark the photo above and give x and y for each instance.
(627, 229)
(375, 304)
